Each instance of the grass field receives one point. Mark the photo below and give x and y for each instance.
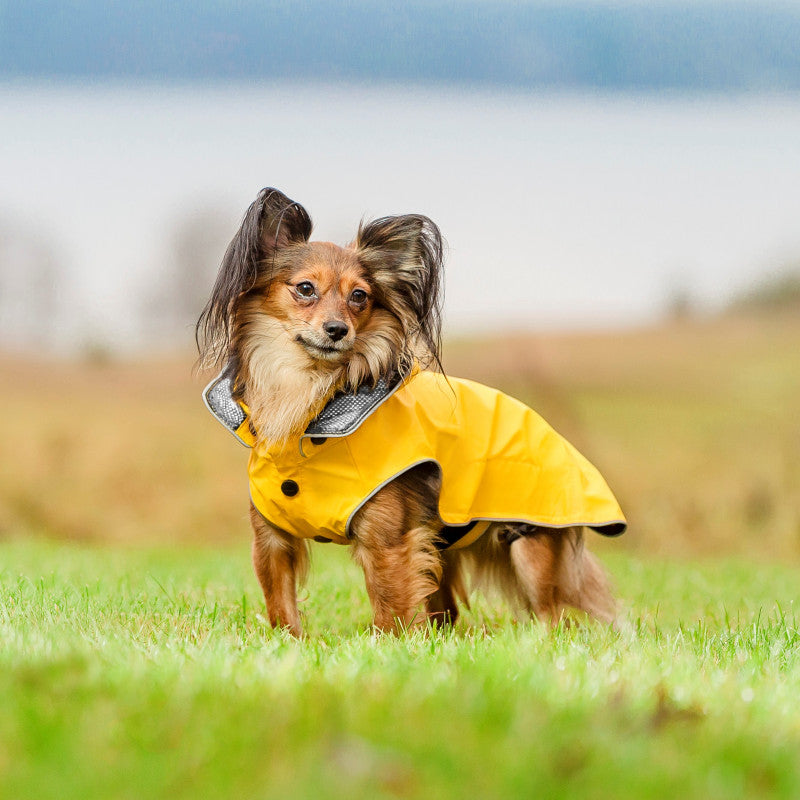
(135, 660)
(151, 673)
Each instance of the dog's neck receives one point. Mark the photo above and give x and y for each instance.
(284, 388)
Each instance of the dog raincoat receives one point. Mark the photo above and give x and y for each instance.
(499, 460)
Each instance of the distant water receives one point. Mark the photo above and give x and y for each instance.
(560, 211)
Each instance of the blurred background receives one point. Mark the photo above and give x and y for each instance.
(618, 183)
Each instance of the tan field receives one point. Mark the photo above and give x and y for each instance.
(696, 426)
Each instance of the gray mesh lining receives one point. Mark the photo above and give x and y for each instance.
(347, 410)
(222, 405)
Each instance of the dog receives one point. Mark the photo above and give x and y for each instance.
(332, 375)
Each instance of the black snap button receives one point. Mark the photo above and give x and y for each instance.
(318, 440)
(290, 488)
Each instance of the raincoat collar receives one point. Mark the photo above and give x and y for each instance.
(345, 411)
(341, 415)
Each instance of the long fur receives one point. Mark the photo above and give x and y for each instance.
(296, 321)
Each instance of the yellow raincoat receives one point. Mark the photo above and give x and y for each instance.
(499, 461)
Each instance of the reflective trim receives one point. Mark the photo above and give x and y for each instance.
(381, 486)
(472, 534)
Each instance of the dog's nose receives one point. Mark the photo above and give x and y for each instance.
(336, 329)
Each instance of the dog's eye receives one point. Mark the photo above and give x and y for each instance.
(305, 289)
(358, 296)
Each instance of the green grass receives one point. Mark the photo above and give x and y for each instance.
(131, 672)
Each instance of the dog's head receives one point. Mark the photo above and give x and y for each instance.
(371, 308)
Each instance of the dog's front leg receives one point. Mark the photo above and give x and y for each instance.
(401, 567)
(280, 560)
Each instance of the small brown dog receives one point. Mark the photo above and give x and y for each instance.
(333, 377)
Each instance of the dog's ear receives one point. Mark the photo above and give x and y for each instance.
(271, 222)
(404, 255)
(278, 221)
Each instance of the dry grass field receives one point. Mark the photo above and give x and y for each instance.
(694, 424)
